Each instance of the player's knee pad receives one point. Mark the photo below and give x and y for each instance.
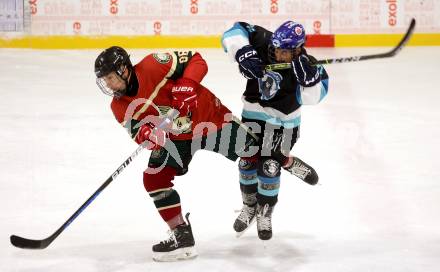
(160, 181)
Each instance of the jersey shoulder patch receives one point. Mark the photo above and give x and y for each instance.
(162, 58)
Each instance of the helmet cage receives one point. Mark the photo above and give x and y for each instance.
(271, 52)
(106, 89)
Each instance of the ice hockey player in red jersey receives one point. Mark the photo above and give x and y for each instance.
(144, 96)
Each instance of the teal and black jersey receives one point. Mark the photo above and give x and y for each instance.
(283, 107)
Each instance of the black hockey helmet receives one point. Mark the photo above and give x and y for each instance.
(113, 59)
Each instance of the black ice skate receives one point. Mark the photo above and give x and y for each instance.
(302, 170)
(179, 246)
(245, 219)
(264, 221)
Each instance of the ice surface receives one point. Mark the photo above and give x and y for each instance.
(375, 142)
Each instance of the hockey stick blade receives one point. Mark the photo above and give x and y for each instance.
(391, 53)
(21, 242)
(403, 41)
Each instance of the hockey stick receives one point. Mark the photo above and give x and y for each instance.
(391, 53)
(21, 242)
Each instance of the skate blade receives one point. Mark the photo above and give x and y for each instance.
(239, 234)
(179, 254)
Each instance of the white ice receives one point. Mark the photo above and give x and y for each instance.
(375, 142)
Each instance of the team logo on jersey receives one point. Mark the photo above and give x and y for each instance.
(271, 168)
(157, 153)
(269, 84)
(182, 124)
(162, 57)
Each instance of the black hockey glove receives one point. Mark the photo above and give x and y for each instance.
(306, 74)
(249, 63)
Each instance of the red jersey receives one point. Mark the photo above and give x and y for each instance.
(156, 75)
